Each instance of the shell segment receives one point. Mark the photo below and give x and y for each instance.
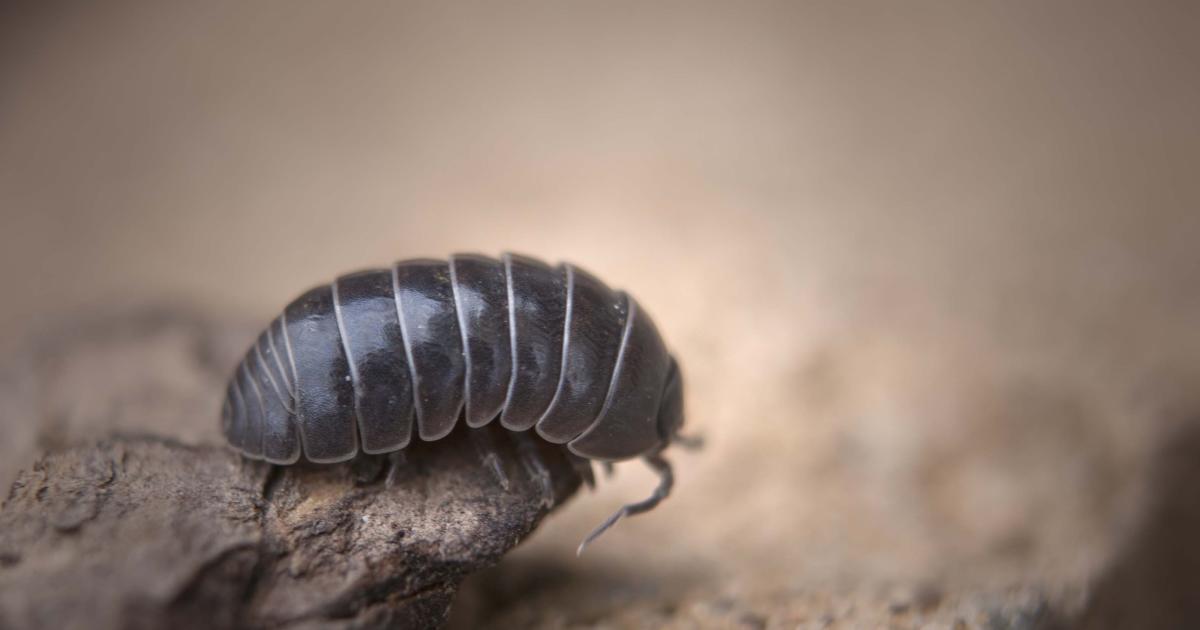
(324, 391)
(280, 442)
(627, 425)
(282, 354)
(425, 300)
(234, 417)
(252, 430)
(481, 300)
(370, 327)
(591, 340)
(537, 306)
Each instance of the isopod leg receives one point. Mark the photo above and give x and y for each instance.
(688, 442)
(485, 447)
(665, 480)
(608, 469)
(397, 461)
(531, 459)
(583, 466)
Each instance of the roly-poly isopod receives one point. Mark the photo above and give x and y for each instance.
(353, 365)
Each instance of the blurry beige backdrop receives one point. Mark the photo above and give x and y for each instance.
(930, 267)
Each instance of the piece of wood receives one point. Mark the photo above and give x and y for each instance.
(124, 524)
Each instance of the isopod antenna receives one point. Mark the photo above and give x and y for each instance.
(665, 480)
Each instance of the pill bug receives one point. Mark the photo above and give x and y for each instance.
(381, 357)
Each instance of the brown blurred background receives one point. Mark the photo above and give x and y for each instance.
(930, 267)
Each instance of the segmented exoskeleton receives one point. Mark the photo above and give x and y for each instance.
(358, 364)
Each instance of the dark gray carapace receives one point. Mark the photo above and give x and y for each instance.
(382, 357)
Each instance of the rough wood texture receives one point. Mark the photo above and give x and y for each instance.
(131, 522)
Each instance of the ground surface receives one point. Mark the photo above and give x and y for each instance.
(130, 511)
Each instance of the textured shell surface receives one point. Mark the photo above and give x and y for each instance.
(380, 357)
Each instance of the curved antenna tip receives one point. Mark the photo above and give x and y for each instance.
(609, 522)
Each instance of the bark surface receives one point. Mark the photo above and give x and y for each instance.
(133, 514)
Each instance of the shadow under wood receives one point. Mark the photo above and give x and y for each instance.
(1154, 582)
(524, 591)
